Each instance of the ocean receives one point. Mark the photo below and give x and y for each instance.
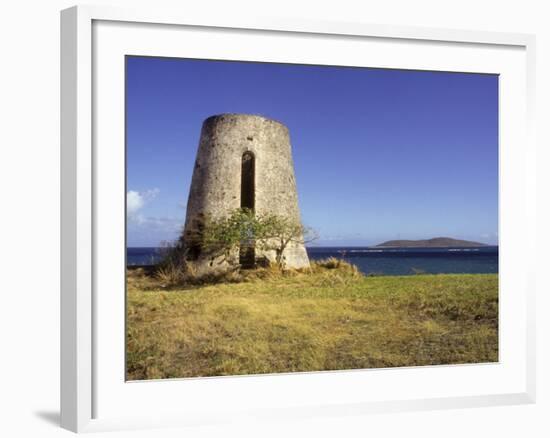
(383, 261)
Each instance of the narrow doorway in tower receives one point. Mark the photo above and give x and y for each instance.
(247, 253)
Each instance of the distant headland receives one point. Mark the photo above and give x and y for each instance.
(437, 242)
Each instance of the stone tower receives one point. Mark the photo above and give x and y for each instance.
(243, 161)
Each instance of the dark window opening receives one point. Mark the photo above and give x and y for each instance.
(194, 240)
(247, 180)
(247, 256)
(194, 251)
(247, 251)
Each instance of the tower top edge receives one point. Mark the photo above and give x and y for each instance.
(242, 116)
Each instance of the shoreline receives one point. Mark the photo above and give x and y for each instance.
(149, 270)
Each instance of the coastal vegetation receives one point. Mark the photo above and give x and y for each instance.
(222, 240)
(328, 317)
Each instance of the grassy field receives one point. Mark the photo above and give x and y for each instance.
(330, 319)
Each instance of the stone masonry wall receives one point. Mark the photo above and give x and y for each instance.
(216, 184)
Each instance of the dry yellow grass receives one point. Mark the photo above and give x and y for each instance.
(329, 318)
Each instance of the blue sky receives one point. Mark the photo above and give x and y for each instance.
(379, 154)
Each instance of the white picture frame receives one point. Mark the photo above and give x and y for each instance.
(86, 376)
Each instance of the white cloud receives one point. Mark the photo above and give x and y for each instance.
(167, 224)
(135, 201)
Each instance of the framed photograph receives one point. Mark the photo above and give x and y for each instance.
(267, 218)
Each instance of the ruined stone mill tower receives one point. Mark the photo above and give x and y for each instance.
(243, 161)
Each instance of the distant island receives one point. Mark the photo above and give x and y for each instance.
(437, 242)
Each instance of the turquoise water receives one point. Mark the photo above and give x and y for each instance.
(386, 261)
